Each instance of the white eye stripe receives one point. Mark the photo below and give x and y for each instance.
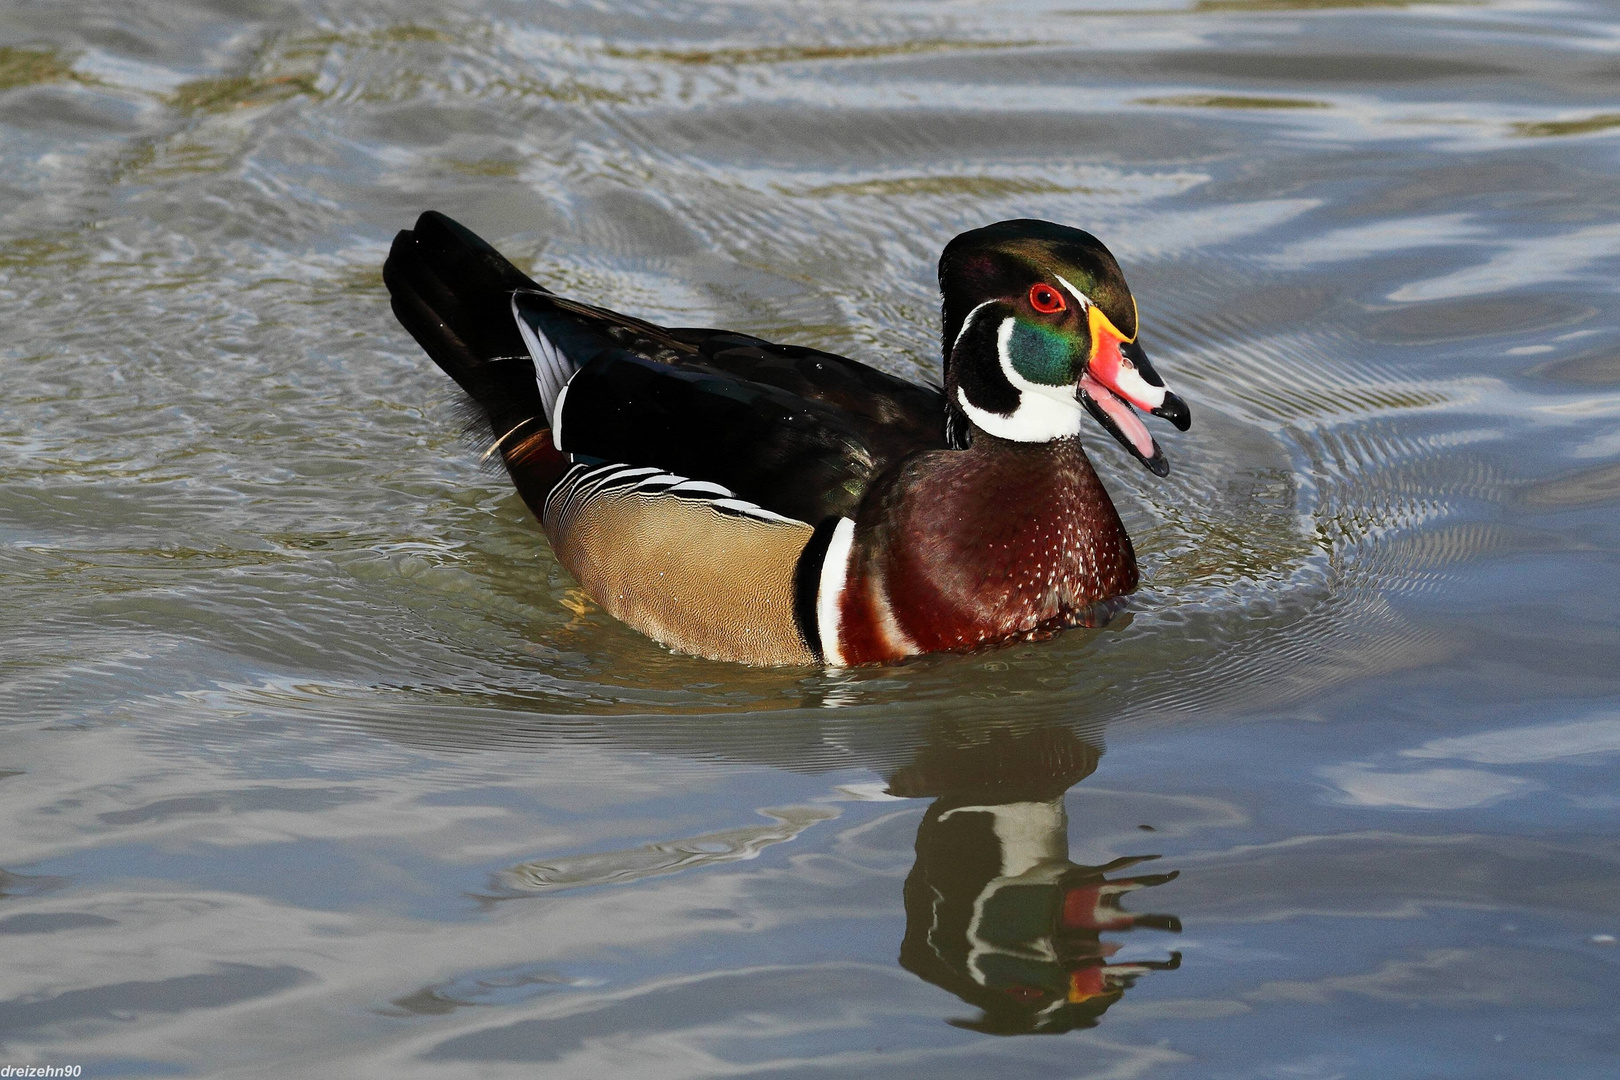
(1080, 298)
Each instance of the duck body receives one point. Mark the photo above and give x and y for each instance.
(744, 500)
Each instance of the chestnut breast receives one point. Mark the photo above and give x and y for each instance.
(1003, 538)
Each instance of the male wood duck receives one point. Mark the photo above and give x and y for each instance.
(773, 504)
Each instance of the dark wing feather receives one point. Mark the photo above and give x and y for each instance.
(879, 401)
(800, 432)
(790, 455)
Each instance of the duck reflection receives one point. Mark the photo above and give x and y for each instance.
(996, 913)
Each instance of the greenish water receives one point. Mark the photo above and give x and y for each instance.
(313, 762)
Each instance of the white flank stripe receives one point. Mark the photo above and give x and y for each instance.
(562, 492)
(582, 483)
(599, 477)
(627, 472)
(662, 480)
(834, 575)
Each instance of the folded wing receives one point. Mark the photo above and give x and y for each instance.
(800, 432)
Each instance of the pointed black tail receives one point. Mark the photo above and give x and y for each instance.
(453, 292)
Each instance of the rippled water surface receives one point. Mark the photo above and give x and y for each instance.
(313, 762)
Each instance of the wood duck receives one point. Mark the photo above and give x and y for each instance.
(743, 500)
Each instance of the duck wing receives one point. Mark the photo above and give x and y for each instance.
(797, 431)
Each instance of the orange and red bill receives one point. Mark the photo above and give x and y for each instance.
(1119, 380)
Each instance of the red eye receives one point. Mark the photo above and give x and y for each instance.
(1045, 299)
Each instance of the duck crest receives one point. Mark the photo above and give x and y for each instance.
(960, 548)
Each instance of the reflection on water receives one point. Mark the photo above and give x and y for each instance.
(995, 911)
(312, 759)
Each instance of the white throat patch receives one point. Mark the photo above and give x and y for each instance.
(1044, 412)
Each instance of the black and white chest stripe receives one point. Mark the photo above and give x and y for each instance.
(831, 576)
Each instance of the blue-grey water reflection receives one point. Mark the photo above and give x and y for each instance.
(313, 761)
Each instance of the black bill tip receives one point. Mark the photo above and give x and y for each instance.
(1174, 410)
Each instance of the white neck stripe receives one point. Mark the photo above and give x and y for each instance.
(967, 322)
(1044, 413)
(1063, 394)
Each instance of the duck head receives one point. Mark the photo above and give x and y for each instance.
(1040, 325)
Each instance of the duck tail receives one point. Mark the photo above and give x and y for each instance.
(453, 292)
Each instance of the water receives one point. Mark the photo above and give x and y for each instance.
(314, 762)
